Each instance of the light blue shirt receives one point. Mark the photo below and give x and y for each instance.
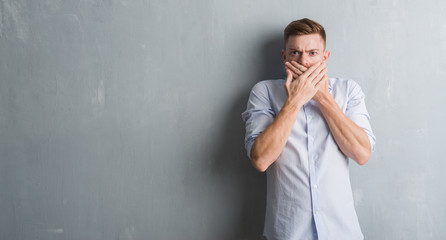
(309, 194)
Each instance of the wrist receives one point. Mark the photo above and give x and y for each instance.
(324, 100)
(292, 105)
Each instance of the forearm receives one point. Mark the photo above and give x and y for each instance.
(270, 143)
(351, 139)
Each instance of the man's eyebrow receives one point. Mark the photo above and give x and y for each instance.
(311, 50)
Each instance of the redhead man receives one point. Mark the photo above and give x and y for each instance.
(302, 131)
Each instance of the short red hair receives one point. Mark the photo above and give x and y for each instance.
(303, 26)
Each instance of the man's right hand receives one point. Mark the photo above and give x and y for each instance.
(301, 89)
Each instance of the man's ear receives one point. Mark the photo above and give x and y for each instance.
(283, 56)
(326, 55)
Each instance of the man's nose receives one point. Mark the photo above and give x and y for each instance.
(303, 60)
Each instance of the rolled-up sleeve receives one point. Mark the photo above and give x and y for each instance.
(357, 111)
(258, 115)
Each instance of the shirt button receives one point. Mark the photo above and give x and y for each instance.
(313, 162)
(310, 117)
(316, 212)
(315, 186)
(311, 139)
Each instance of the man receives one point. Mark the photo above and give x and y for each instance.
(302, 132)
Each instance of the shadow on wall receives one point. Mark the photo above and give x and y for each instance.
(231, 159)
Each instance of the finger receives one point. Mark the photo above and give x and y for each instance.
(316, 71)
(289, 78)
(300, 67)
(319, 77)
(295, 75)
(321, 83)
(310, 70)
(294, 69)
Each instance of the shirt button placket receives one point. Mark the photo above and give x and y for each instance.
(312, 167)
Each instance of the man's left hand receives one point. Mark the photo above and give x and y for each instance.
(323, 90)
(295, 68)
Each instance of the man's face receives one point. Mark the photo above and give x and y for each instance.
(305, 49)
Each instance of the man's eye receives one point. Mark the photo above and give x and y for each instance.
(313, 53)
(294, 52)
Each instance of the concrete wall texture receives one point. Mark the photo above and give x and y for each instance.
(120, 119)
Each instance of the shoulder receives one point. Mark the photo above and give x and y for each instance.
(266, 85)
(269, 88)
(342, 85)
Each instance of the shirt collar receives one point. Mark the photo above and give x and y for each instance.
(330, 85)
